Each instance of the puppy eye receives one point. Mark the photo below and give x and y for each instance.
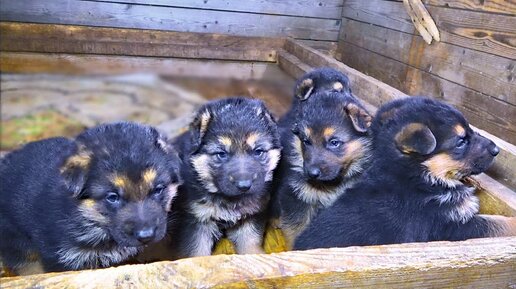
(221, 155)
(335, 143)
(461, 143)
(306, 142)
(158, 190)
(258, 152)
(112, 198)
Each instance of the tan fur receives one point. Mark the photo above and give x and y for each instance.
(356, 112)
(251, 139)
(80, 160)
(206, 211)
(292, 231)
(459, 130)
(296, 158)
(202, 167)
(273, 160)
(204, 122)
(171, 193)
(247, 238)
(501, 226)
(308, 131)
(148, 176)
(77, 257)
(88, 210)
(328, 132)
(443, 169)
(31, 268)
(338, 86)
(226, 141)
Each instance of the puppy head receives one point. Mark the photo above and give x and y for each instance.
(236, 147)
(124, 177)
(319, 80)
(433, 138)
(330, 141)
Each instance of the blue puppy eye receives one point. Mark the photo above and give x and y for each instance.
(112, 197)
(221, 155)
(158, 190)
(461, 143)
(259, 152)
(335, 143)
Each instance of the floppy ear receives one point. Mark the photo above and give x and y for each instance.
(198, 127)
(359, 117)
(75, 169)
(304, 89)
(415, 138)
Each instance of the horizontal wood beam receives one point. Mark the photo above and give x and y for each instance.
(52, 38)
(478, 263)
(76, 64)
(123, 15)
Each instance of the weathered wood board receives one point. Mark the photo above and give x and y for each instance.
(479, 263)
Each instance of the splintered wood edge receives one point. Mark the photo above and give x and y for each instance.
(379, 93)
(485, 262)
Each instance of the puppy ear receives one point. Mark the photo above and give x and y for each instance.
(359, 117)
(199, 126)
(304, 89)
(75, 169)
(415, 138)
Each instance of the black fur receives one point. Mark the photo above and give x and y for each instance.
(58, 200)
(316, 168)
(412, 191)
(226, 186)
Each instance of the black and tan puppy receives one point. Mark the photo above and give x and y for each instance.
(326, 147)
(229, 154)
(413, 190)
(90, 202)
(319, 80)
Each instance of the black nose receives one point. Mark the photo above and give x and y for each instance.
(145, 235)
(314, 172)
(494, 150)
(244, 185)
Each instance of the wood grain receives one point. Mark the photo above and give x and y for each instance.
(486, 113)
(478, 263)
(480, 71)
(26, 37)
(494, 6)
(491, 33)
(74, 64)
(106, 14)
(330, 9)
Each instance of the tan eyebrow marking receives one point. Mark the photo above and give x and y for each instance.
(459, 130)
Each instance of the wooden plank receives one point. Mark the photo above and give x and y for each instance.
(330, 9)
(377, 93)
(491, 33)
(487, 113)
(25, 37)
(167, 18)
(480, 71)
(495, 198)
(328, 47)
(24, 62)
(477, 263)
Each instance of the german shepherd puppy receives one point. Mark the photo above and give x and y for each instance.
(229, 154)
(321, 79)
(326, 147)
(85, 203)
(413, 190)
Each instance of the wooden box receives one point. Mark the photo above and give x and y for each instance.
(77, 50)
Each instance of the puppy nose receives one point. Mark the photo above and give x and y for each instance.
(145, 235)
(314, 172)
(244, 185)
(494, 150)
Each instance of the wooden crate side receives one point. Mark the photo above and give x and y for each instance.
(491, 33)
(52, 38)
(330, 9)
(75, 64)
(478, 263)
(106, 14)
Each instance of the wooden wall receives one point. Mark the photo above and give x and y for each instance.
(473, 67)
(317, 22)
